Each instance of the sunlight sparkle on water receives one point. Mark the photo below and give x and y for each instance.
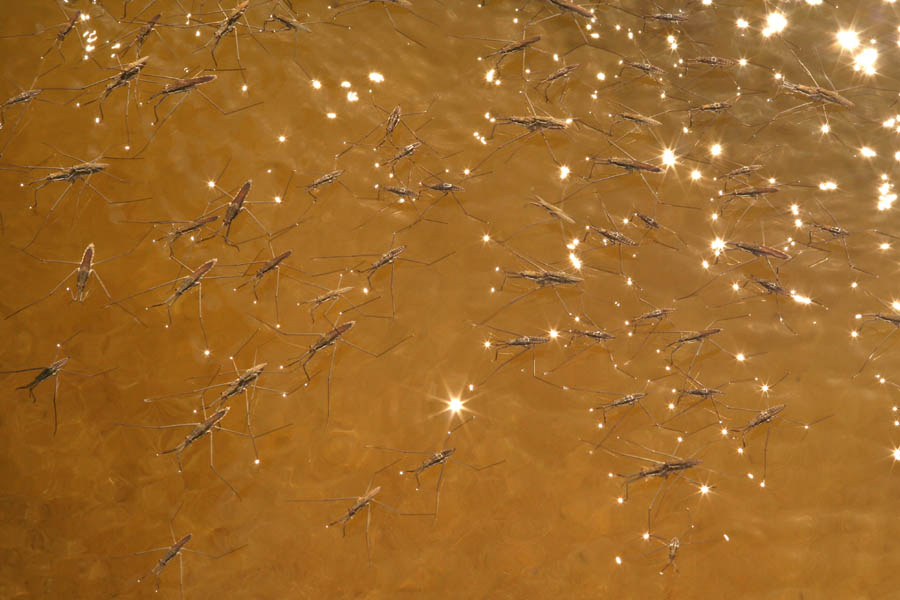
(668, 157)
(775, 23)
(848, 39)
(865, 61)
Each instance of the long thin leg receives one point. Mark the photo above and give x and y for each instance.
(328, 386)
(875, 350)
(501, 365)
(213, 467)
(180, 575)
(368, 522)
(513, 301)
(109, 297)
(53, 291)
(55, 414)
(200, 312)
(437, 491)
(277, 282)
(250, 428)
(393, 312)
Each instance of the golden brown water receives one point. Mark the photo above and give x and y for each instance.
(547, 520)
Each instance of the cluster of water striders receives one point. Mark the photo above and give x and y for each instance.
(651, 189)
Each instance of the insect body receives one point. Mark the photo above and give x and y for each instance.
(200, 430)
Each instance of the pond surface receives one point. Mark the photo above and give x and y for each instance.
(500, 243)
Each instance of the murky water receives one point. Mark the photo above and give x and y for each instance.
(815, 112)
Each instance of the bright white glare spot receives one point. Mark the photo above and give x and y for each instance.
(826, 128)
(776, 23)
(277, 199)
(244, 88)
(487, 344)
(281, 138)
(740, 357)
(801, 299)
(331, 115)
(865, 61)
(206, 352)
(884, 245)
(352, 96)
(668, 157)
(886, 196)
(848, 39)
(376, 77)
(317, 84)
(345, 84)
(695, 175)
(718, 244)
(735, 286)
(750, 475)
(563, 172)
(601, 76)
(742, 24)
(716, 150)
(211, 183)
(704, 489)
(486, 238)
(896, 454)
(489, 76)
(576, 262)
(455, 405)
(618, 560)
(827, 186)
(867, 152)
